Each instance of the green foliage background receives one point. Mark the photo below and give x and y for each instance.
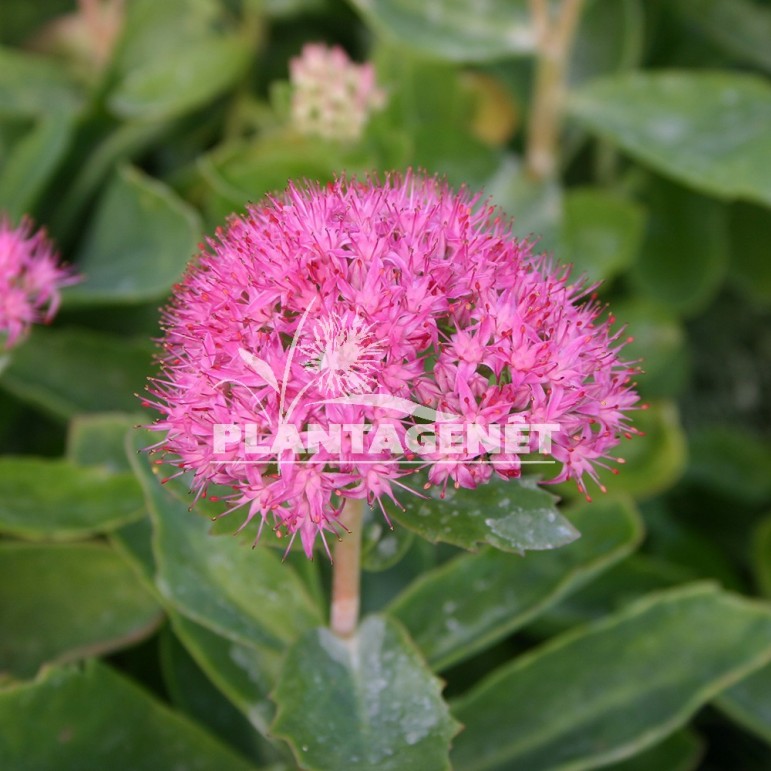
(133, 638)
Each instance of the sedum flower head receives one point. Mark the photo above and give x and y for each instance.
(332, 97)
(30, 279)
(391, 310)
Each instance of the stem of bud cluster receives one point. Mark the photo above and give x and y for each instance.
(346, 571)
(554, 41)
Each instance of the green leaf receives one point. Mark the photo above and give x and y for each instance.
(147, 25)
(368, 702)
(626, 582)
(67, 371)
(32, 162)
(740, 27)
(245, 674)
(685, 250)
(749, 229)
(422, 92)
(658, 343)
(616, 687)
(281, 9)
(432, 108)
(239, 174)
(46, 498)
(513, 516)
(34, 85)
(457, 30)
(247, 595)
(66, 602)
(100, 440)
(610, 38)
(601, 233)
(173, 57)
(462, 159)
(681, 751)
(473, 601)
(535, 206)
(91, 718)
(761, 556)
(193, 693)
(749, 703)
(382, 547)
(688, 545)
(731, 461)
(134, 543)
(138, 244)
(706, 129)
(20, 19)
(177, 82)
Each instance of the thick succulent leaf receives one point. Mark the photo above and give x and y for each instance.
(731, 461)
(245, 594)
(238, 174)
(749, 229)
(32, 162)
(47, 498)
(749, 703)
(761, 556)
(681, 751)
(536, 206)
(174, 57)
(476, 599)
(601, 233)
(281, 9)
(706, 129)
(67, 371)
(66, 602)
(458, 30)
(369, 702)
(100, 440)
(658, 342)
(33, 85)
(193, 693)
(513, 516)
(625, 582)
(679, 542)
(740, 27)
(616, 687)
(244, 674)
(685, 250)
(90, 718)
(134, 542)
(430, 120)
(138, 244)
(610, 38)
(382, 547)
(175, 83)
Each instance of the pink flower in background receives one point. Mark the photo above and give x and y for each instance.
(393, 310)
(30, 279)
(332, 97)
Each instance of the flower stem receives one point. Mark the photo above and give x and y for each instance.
(554, 40)
(101, 19)
(346, 572)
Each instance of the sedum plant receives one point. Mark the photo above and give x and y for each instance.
(372, 297)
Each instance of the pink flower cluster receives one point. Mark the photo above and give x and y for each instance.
(332, 97)
(339, 305)
(30, 279)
